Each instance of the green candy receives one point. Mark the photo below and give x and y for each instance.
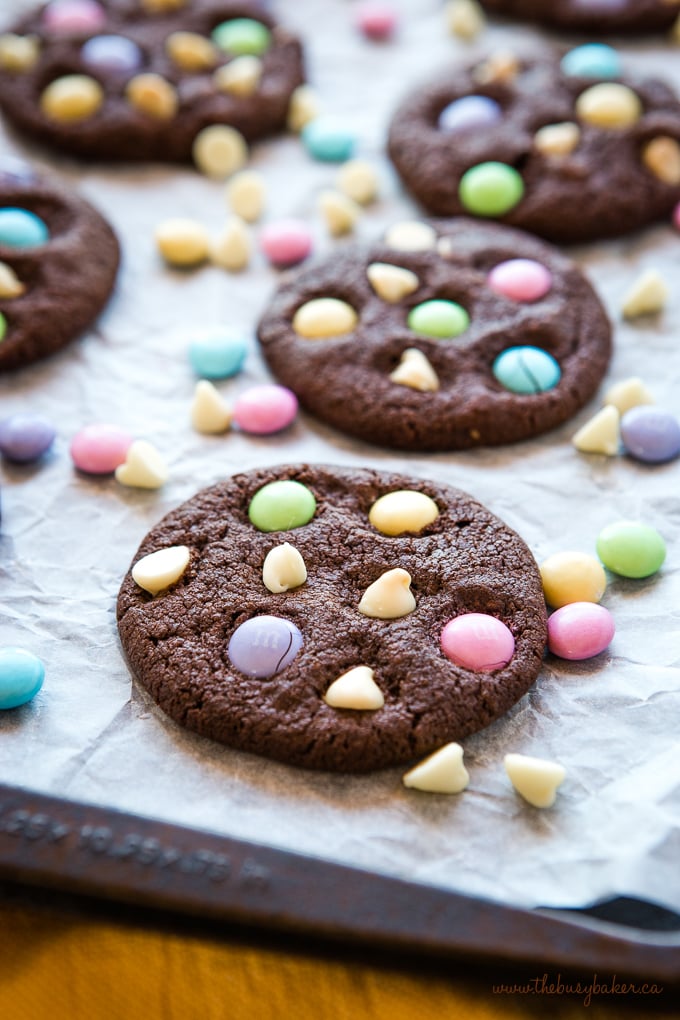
(3, 327)
(490, 189)
(630, 549)
(280, 506)
(440, 319)
(243, 37)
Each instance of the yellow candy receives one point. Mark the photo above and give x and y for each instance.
(73, 97)
(191, 51)
(324, 318)
(662, 157)
(401, 511)
(18, 52)
(572, 577)
(183, 242)
(153, 95)
(609, 105)
(219, 151)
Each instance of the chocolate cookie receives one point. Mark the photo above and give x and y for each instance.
(482, 336)
(58, 265)
(265, 590)
(567, 149)
(593, 15)
(138, 80)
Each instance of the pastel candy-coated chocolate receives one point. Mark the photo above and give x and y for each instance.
(281, 506)
(572, 577)
(100, 449)
(3, 327)
(21, 676)
(25, 437)
(469, 113)
(401, 511)
(631, 549)
(580, 630)
(441, 319)
(264, 645)
(376, 20)
(650, 434)
(217, 355)
(490, 189)
(328, 140)
(592, 60)
(265, 409)
(74, 16)
(478, 642)
(523, 280)
(242, 37)
(526, 370)
(286, 242)
(112, 53)
(20, 228)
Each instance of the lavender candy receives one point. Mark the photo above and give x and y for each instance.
(113, 53)
(264, 645)
(650, 434)
(469, 113)
(25, 437)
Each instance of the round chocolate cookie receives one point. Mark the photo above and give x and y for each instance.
(138, 80)
(247, 607)
(566, 148)
(483, 336)
(58, 265)
(637, 16)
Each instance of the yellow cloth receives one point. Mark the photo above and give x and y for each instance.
(54, 967)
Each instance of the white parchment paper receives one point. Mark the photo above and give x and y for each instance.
(66, 541)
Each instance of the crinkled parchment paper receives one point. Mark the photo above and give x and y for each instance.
(66, 542)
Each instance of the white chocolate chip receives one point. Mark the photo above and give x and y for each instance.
(340, 213)
(304, 107)
(647, 296)
(601, 434)
(358, 180)
(283, 569)
(18, 52)
(71, 98)
(662, 157)
(240, 77)
(391, 283)
(503, 66)
(324, 318)
(159, 570)
(403, 510)
(233, 248)
(389, 597)
(414, 370)
(191, 51)
(628, 393)
(210, 414)
(441, 772)
(411, 235)
(153, 95)
(535, 779)
(609, 105)
(355, 689)
(246, 195)
(10, 284)
(557, 139)
(182, 242)
(144, 468)
(219, 151)
(464, 18)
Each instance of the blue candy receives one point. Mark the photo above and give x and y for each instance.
(21, 676)
(526, 370)
(593, 60)
(217, 355)
(20, 228)
(328, 141)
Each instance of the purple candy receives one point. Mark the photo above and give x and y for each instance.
(264, 645)
(468, 113)
(25, 437)
(113, 53)
(650, 434)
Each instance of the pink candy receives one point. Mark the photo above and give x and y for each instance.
(520, 280)
(265, 409)
(478, 642)
(100, 449)
(376, 21)
(74, 16)
(286, 243)
(580, 630)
